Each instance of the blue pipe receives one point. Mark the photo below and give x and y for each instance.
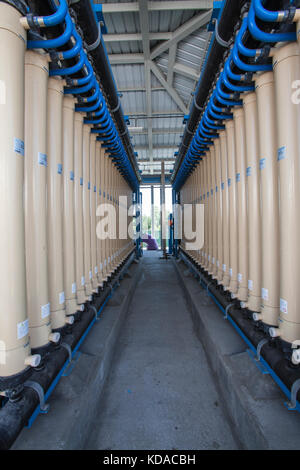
(69, 70)
(267, 15)
(54, 19)
(53, 43)
(266, 37)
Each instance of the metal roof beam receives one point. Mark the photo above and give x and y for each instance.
(156, 6)
(183, 31)
(144, 24)
(123, 59)
(157, 131)
(159, 36)
(186, 71)
(172, 92)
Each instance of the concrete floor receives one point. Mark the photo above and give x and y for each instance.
(160, 393)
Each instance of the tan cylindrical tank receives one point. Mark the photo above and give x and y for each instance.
(68, 206)
(206, 213)
(225, 211)
(240, 145)
(55, 203)
(98, 201)
(233, 220)
(254, 210)
(78, 208)
(219, 214)
(93, 211)
(286, 71)
(38, 305)
(14, 341)
(87, 210)
(265, 92)
(103, 201)
(210, 210)
(214, 212)
(202, 201)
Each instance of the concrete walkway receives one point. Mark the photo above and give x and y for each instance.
(160, 393)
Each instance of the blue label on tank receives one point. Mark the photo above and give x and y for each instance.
(207, 193)
(281, 154)
(42, 159)
(103, 193)
(204, 197)
(212, 192)
(89, 185)
(59, 168)
(200, 198)
(216, 189)
(248, 171)
(111, 198)
(222, 186)
(262, 163)
(81, 181)
(99, 192)
(19, 146)
(238, 177)
(229, 181)
(72, 175)
(95, 189)
(107, 196)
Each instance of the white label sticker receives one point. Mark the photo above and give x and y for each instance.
(265, 293)
(105, 262)
(101, 266)
(213, 261)
(82, 280)
(224, 268)
(19, 146)
(230, 272)
(250, 285)
(218, 263)
(96, 269)
(2, 92)
(61, 297)
(109, 260)
(284, 306)
(74, 288)
(240, 277)
(45, 310)
(208, 257)
(22, 329)
(90, 274)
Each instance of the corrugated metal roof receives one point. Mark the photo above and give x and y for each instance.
(167, 115)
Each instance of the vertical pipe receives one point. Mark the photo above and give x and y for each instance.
(254, 211)
(68, 206)
(55, 202)
(78, 208)
(206, 211)
(215, 210)
(233, 221)
(86, 211)
(210, 209)
(14, 343)
(265, 92)
(225, 208)
(98, 199)
(219, 214)
(35, 204)
(286, 70)
(240, 143)
(93, 147)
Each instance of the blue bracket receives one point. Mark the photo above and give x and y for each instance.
(99, 15)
